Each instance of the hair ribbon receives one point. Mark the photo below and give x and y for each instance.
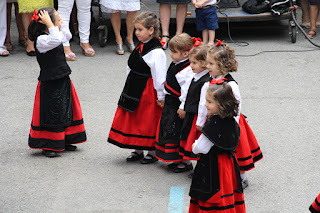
(219, 42)
(35, 16)
(219, 81)
(196, 41)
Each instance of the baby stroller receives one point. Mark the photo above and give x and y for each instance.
(102, 20)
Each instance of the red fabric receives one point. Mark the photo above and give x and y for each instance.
(315, 205)
(142, 122)
(187, 144)
(248, 150)
(44, 134)
(35, 16)
(228, 186)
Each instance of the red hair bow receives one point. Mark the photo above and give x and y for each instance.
(196, 42)
(219, 42)
(35, 16)
(219, 81)
(162, 42)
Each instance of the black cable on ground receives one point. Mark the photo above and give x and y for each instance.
(244, 44)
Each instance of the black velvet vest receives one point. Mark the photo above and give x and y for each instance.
(229, 78)
(224, 134)
(53, 64)
(194, 92)
(171, 85)
(138, 77)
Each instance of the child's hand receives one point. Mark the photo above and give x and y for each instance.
(182, 114)
(45, 18)
(198, 4)
(160, 103)
(199, 128)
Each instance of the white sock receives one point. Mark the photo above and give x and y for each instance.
(243, 176)
(137, 151)
(152, 153)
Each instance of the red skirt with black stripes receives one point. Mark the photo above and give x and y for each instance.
(55, 139)
(186, 145)
(228, 199)
(248, 151)
(137, 130)
(315, 206)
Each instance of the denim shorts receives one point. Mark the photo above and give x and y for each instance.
(207, 19)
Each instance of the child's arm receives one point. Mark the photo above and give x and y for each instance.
(185, 88)
(55, 37)
(182, 78)
(157, 61)
(236, 92)
(202, 145)
(202, 110)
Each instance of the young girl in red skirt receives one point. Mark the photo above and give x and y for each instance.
(216, 183)
(192, 108)
(169, 128)
(140, 105)
(57, 117)
(221, 61)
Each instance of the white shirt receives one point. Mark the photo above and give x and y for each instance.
(156, 60)
(182, 76)
(54, 38)
(202, 110)
(211, 2)
(202, 145)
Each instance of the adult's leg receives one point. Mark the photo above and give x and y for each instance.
(3, 27)
(64, 10)
(314, 10)
(181, 12)
(305, 12)
(84, 19)
(130, 25)
(22, 36)
(8, 36)
(116, 25)
(165, 15)
(25, 22)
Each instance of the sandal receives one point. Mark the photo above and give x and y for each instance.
(311, 34)
(4, 52)
(306, 25)
(88, 52)
(8, 46)
(120, 50)
(70, 57)
(165, 45)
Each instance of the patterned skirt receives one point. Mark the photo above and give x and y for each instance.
(28, 6)
(55, 138)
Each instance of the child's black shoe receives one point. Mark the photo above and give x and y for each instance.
(183, 169)
(134, 156)
(149, 159)
(70, 148)
(49, 153)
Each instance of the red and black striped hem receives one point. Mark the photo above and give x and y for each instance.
(127, 146)
(218, 208)
(168, 152)
(315, 206)
(255, 157)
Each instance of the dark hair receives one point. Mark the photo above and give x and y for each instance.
(36, 28)
(200, 54)
(148, 20)
(223, 95)
(182, 43)
(225, 58)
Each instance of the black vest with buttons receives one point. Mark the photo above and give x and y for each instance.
(194, 92)
(171, 85)
(138, 77)
(53, 64)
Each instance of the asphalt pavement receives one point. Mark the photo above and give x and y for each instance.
(280, 93)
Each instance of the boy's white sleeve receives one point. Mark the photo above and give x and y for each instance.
(236, 92)
(185, 88)
(202, 145)
(202, 110)
(156, 59)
